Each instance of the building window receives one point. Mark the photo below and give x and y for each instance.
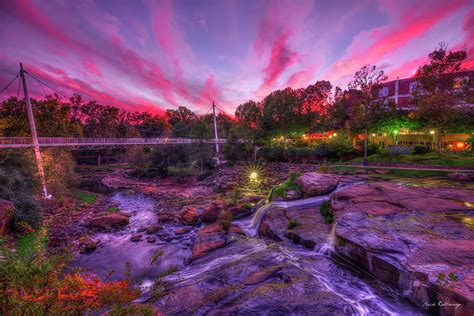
(412, 86)
(460, 82)
(383, 92)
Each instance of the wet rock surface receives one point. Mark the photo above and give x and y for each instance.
(107, 221)
(256, 281)
(314, 183)
(407, 237)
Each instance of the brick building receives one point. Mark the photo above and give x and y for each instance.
(400, 90)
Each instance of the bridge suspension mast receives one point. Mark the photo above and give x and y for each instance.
(215, 133)
(34, 136)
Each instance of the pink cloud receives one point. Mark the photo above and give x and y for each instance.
(388, 39)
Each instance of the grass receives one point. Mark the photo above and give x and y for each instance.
(293, 223)
(462, 159)
(112, 209)
(400, 173)
(27, 244)
(282, 188)
(86, 197)
(325, 210)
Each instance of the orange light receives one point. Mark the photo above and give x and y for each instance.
(460, 145)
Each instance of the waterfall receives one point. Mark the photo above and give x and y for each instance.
(250, 225)
(328, 247)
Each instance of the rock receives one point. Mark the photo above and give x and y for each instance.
(257, 283)
(153, 229)
(136, 237)
(252, 199)
(460, 176)
(261, 275)
(7, 208)
(408, 237)
(239, 211)
(212, 212)
(182, 230)
(87, 245)
(236, 230)
(105, 220)
(189, 216)
(186, 298)
(208, 239)
(292, 194)
(151, 239)
(313, 183)
(274, 224)
(165, 217)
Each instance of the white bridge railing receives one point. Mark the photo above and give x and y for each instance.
(21, 142)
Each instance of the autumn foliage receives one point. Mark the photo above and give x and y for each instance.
(34, 283)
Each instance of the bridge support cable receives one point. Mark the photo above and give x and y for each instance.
(34, 135)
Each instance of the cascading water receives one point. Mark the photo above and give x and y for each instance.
(250, 226)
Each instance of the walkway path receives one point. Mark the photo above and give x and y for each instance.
(411, 167)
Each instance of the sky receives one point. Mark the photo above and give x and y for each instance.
(156, 55)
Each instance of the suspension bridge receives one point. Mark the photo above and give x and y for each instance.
(26, 142)
(36, 142)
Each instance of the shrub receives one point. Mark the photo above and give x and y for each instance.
(385, 153)
(204, 175)
(323, 150)
(17, 187)
(325, 210)
(36, 284)
(420, 149)
(293, 223)
(86, 197)
(373, 148)
(225, 220)
(280, 190)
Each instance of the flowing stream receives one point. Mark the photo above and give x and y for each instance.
(118, 253)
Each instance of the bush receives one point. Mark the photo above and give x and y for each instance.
(281, 189)
(325, 210)
(18, 188)
(204, 175)
(420, 149)
(293, 223)
(385, 153)
(34, 283)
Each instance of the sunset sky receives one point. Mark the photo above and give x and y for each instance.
(154, 55)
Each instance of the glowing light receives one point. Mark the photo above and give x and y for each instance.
(460, 145)
(395, 131)
(373, 135)
(253, 175)
(432, 132)
(335, 134)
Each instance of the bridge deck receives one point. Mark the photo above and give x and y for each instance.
(24, 142)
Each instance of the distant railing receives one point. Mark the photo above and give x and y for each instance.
(21, 142)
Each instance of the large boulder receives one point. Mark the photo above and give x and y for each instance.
(212, 212)
(106, 220)
(208, 239)
(314, 183)
(415, 239)
(7, 208)
(189, 216)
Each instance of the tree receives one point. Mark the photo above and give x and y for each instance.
(367, 80)
(436, 96)
(181, 114)
(315, 103)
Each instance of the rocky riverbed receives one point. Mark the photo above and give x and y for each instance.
(384, 253)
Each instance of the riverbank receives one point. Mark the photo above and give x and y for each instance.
(227, 251)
